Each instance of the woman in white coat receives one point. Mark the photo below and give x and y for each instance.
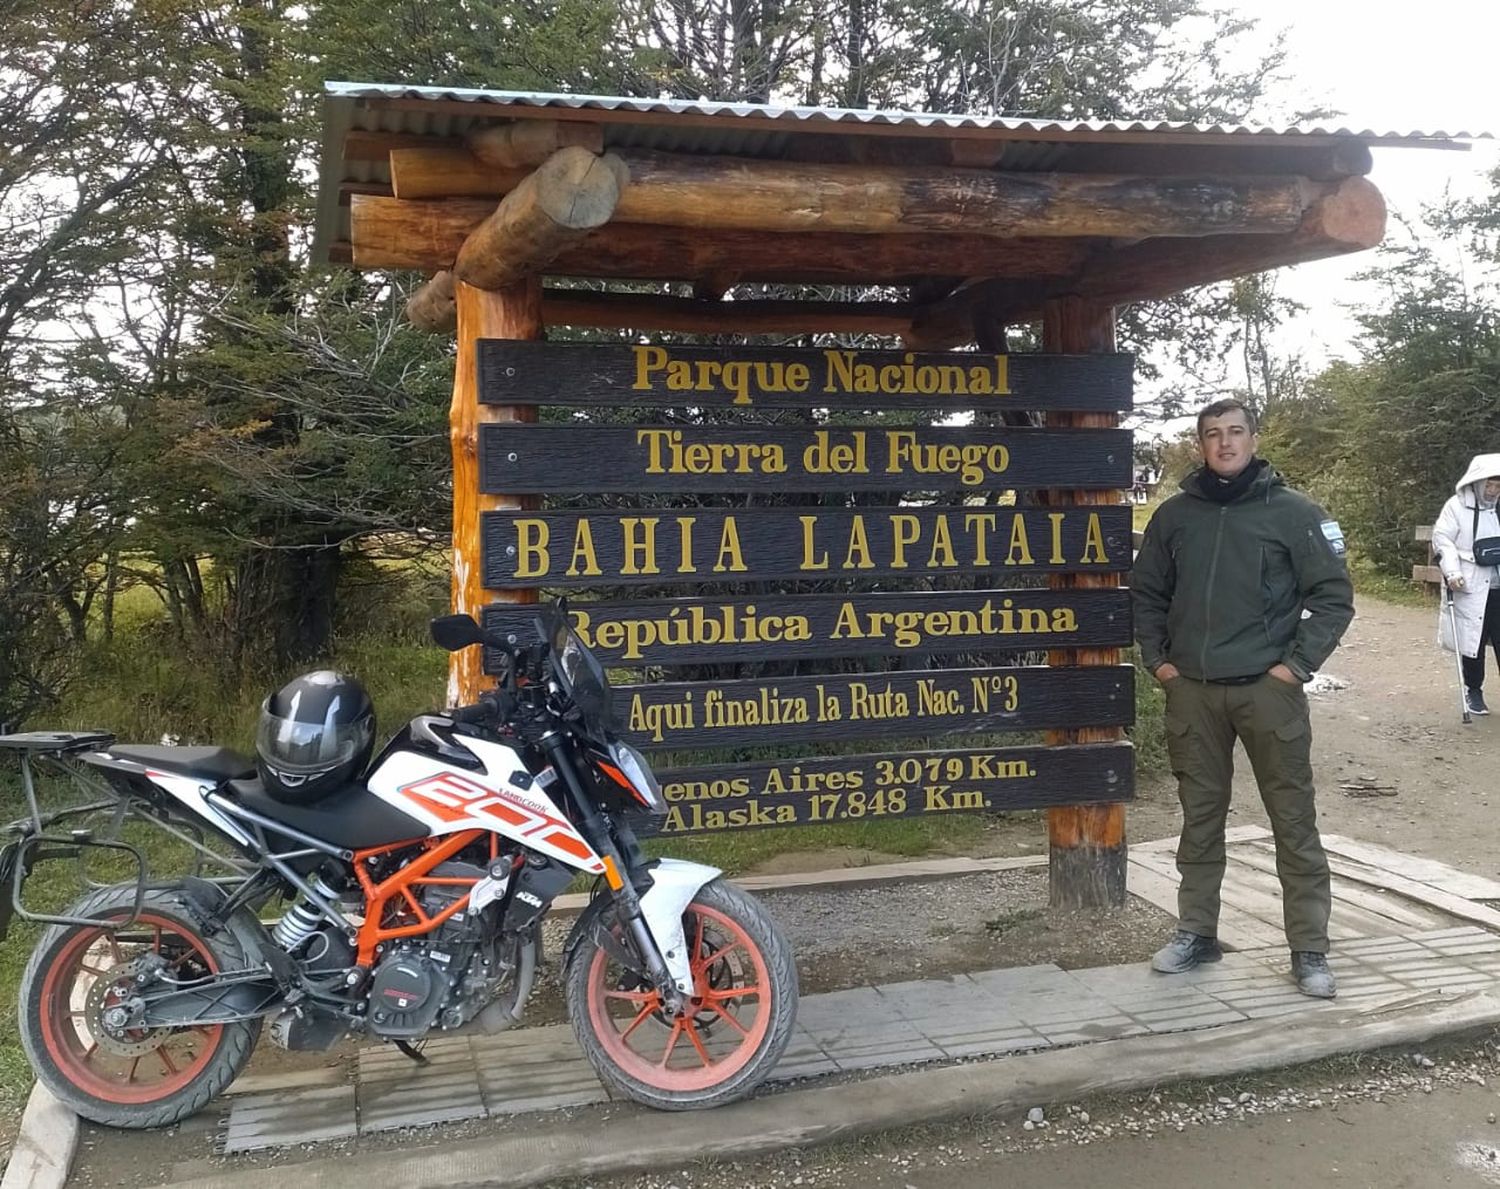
(1468, 516)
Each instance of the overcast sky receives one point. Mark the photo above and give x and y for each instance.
(1427, 67)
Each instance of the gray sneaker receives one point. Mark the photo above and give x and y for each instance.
(1184, 951)
(1312, 974)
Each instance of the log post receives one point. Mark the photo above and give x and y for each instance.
(510, 313)
(430, 308)
(1087, 842)
(568, 196)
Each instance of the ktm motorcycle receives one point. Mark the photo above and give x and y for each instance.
(412, 905)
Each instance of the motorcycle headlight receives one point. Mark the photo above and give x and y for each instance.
(633, 766)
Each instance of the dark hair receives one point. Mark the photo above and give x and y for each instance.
(1228, 405)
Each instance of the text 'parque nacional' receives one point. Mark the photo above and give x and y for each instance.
(619, 374)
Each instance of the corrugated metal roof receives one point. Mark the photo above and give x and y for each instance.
(761, 130)
(1042, 129)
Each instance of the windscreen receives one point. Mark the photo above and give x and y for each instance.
(579, 670)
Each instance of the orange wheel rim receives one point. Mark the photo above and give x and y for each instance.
(142, 1066)
(728, 1017)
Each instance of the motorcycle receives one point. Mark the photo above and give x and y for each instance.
(415, 898)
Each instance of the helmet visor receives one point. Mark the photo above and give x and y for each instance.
(310, 749)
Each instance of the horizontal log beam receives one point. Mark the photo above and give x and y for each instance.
(1351, 218)
(361, 144)
(529, 143)
(568, 196)
(450, 173)
(390, 233)
(722, 192)
(738, 193)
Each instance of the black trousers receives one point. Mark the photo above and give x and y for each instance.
(1489, 634)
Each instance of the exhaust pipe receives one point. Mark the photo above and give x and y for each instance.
(504, 1014)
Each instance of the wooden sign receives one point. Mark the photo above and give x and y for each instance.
(777, 711)
(855, 788)
(624, 374)
(520, 459)
(600, 548)
(817, 627)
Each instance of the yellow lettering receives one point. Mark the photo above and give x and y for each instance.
(1093, 541)
(532, 559)
(859, 543)
(640, 553)
(1020, 547)
(729, 546)
(904, 531)
(942, 546)
(1056, 518)
(981, 524)
(583, 548)
(809, 562)
(647, 360)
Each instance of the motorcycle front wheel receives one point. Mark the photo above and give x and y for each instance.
(136, 1078)
(737, 1025)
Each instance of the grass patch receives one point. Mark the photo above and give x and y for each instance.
(1371, 583)
(1008, 920)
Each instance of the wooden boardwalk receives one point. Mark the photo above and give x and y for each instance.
(1377, 892)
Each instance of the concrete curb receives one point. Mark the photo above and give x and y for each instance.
(820, 1114)
(44, 1149)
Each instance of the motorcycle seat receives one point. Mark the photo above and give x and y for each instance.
(209, 764)
(351, 818)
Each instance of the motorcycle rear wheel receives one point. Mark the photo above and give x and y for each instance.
(132, 1079)
(737, 1026)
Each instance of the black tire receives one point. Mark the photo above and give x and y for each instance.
(53, 1041)
(587, 975)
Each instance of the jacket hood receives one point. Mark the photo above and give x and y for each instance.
(1268, 478)
(1481, 467)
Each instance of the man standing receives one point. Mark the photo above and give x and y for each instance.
(1240, 592)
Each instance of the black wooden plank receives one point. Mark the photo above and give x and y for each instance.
(777, 711)
(816, 790)
(815, 627)
(520, 459)
(625, 374)
(599, 548)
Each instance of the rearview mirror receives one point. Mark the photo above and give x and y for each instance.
(453, 632)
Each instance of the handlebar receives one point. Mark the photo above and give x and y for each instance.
(494, 706)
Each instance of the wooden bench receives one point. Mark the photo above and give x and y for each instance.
(1430, 574)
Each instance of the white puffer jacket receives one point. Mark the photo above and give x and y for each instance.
(1453, 541)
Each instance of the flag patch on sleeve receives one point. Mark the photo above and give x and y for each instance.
(1334, 535)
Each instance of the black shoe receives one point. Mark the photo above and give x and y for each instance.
(1474, 700)
(1184, 951)
(1312, 974)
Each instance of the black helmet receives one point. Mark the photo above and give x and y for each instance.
(315, 735)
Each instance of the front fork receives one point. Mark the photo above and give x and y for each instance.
(653, 921)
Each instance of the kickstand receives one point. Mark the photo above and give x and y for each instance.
(414, 1053)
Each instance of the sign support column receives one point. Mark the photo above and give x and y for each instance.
(1087, 842)
(514, 312)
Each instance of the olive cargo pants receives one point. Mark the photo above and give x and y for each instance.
(1270, 718)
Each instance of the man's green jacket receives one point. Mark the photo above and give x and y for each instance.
(1220, 589)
